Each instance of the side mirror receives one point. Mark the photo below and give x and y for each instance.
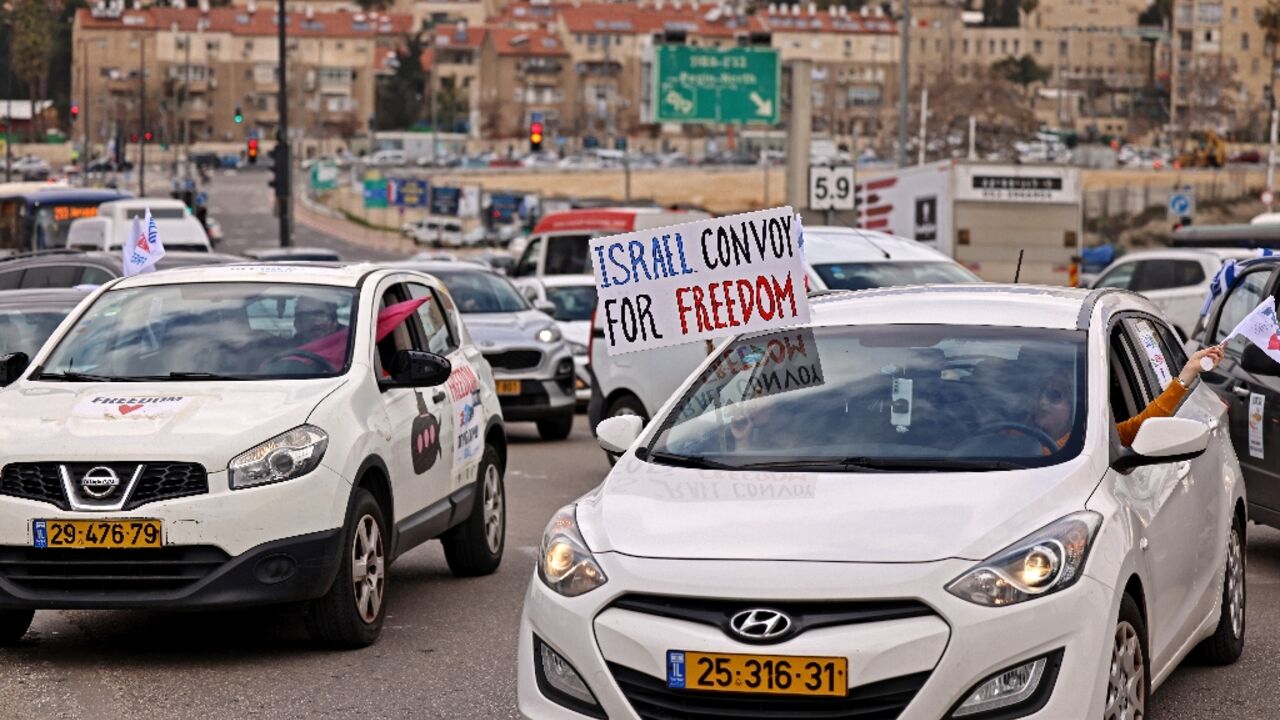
(1256, 361)
(616, 434)
(1165, 440)
(12, 366)
(415, 369)
(545, 306)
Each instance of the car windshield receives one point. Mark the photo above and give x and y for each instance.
(864, 276)
(884, 398)
(482, 292)
(575, 302)
(26, 330)
(568, 255)
(240, 331)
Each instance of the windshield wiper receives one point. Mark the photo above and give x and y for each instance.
(72, 376)
(886, 464)
(688, 461)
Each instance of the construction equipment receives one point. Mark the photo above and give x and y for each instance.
(1210, 151)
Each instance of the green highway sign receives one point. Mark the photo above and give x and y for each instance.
(706, 85)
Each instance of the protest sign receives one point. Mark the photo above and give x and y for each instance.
(700, 280)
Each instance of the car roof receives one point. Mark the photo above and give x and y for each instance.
(1191, 253)
(111, 259)
(1269, 260)
(42, 297)
(567, 280)
(831, 244)
(283, 273)
(288, 252)
(1036, 306)
(133, 202)
(445, 266)
(78, 194)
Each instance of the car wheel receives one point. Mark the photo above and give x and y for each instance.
(475, 547)
(1128, 679)
(13, 625)
(350, 615)
(1226, 643)
(556, 428)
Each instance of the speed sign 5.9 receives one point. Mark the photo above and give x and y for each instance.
(831, 187)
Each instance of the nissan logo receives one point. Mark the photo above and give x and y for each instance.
(99, 482)
(760, 624)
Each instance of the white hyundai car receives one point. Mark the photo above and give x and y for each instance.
(916, 507)
(247, 435)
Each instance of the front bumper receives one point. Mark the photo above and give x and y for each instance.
(538, 399)
(935, 660)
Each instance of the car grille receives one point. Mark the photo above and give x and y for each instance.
(804, 614)
(515, 359)
(107, 572)
(532, 394)
(653, 700)
(158, 481)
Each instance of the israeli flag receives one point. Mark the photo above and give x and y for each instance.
(142, 249)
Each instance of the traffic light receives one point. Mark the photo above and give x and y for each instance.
(146, 136)
(133, 138)
(253, 150)
(75, 112)
(279, 166)
(239, 115)
(535, 136)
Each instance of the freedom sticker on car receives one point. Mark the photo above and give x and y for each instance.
(700, 280)
(129, 406)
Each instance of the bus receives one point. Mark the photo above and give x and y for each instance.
(38, 218)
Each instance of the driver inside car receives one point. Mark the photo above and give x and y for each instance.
(313, 319)
(1052, 411)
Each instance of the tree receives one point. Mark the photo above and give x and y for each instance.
(375, 4)
(1001, 13)
(32, 50)
(1020, 71)
(1002, 114)
(1158, 13)
(1269, 21)
(400, 96)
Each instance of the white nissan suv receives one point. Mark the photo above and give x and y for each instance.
(247, 435)
(919, 506)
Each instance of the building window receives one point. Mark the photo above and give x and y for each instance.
(1235, 13)
(964, 46)
(1017, 46)
(991, 46)
(1004, 47)
(1111, 50)
(1209, 13)
(1037, 46)
(1184, 40)
(1062, 48)
(1256, 66)
(924, 45)
(1244, 41)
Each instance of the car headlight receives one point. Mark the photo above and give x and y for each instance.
(577, 348)
(284, 457)
(564, 563)
(1046, 561)
(548, 334)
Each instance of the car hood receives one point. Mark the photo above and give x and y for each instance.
(656, 511)
(206, 422)
(490, 330)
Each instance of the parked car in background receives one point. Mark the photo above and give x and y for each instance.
(435, 231)
(293, 254)
(29, 317)
(532, 364)
(838, 258)
(574, 300)
(31, 167)
(69, 268)
(1175, 280)
(110, 228)
(387, 158)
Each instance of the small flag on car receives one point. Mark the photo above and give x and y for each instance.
(1261, 328)
(143, 248)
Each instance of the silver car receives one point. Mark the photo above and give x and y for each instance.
(532, 364)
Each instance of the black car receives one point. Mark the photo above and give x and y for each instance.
(69, 268)
(1248, 381)
(29, 317)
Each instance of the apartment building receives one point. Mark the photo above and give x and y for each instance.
(1223, 77)
(523, 74)
(202, 64)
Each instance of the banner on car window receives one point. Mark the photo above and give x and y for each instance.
(1257, 410)
(699, 280)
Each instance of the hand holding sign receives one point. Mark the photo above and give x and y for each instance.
(700, 280)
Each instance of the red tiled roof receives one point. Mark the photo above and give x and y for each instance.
(238, 21)
(459, 37)
(825, 22)
(527, 42)
(632, 18)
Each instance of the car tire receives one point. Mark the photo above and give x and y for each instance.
(1226, 643)
(13, 625)
(475, 547)
(350, 615)
(1128, 680)
(556, 428)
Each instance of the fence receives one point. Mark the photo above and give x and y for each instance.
(1127, 199)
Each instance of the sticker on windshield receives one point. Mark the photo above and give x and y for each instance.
(425, 438)
(1257, 402)
(1155, 354)
(468, 413)
(900, 405)
(129, 406)
(759, 367)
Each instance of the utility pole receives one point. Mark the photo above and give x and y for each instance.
(924, 119)
(904, 82)
(283, 163)
(798, 133)
(84, 94)
(142, 132)
(1271, 161)
(8, 115)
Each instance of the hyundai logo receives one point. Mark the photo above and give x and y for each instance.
(760, 624)
(99, 482)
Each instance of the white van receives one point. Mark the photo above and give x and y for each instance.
(179, 230)
(437, 232)
(558, 244)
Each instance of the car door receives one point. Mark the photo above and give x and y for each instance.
(1197, 509)
(420, 457)
(1253, 400)
(1159, 497)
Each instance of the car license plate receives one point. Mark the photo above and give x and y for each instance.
(96, 534)
(758, 674)
(508, 387)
